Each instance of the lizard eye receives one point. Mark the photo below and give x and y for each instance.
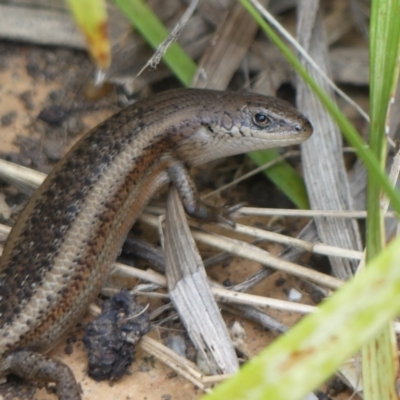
(261, 120)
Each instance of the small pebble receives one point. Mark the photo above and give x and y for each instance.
(294, 295)
(8, 119)
(26, 98)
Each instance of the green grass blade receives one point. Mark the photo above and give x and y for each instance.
(378, 356)
(344, 322)
(384, 52)
(384, 63)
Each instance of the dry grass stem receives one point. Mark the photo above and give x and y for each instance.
(284, 212)
(317, 248)
(228, 296)
(123, 270)
(179, 364)
(25, 179)
(4, 230)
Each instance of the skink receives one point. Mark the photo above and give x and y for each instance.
(59, 252)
